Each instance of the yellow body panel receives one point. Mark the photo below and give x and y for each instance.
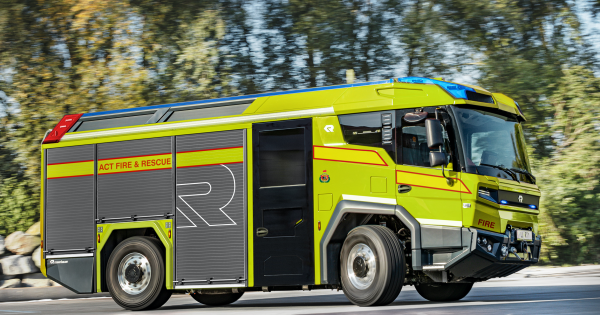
(250, 194)
(74, 169)
(210, 157)
(348, 155)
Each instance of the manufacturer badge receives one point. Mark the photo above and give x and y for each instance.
(520, 199)
(324, 178)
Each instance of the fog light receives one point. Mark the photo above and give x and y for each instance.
(484, 241)
(478, 240)
(504, 251)
(489, 248)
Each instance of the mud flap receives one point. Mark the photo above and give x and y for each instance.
(75, 274)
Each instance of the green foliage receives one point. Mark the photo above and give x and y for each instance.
(18, 206)
(570, 178)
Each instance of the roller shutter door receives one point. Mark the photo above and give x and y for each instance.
(69, 225)
(210, 224)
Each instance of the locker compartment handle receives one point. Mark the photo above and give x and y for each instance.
(262, 232)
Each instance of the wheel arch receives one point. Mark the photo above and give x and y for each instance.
(348, 215)
(110, 235)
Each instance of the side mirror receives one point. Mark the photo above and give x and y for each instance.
(435, 138)
(437, 159)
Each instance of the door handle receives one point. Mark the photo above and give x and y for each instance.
(403, 189)
(262, 232)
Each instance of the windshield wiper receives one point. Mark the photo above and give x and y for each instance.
(518, 170)
(502, 168)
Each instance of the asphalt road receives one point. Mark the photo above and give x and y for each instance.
(573, 290)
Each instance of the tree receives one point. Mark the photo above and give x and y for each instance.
(570, 178)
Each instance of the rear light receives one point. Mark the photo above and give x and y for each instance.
(63, 126)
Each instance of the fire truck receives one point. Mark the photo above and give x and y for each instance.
(363, 187)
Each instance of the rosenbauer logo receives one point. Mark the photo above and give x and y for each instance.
(56, 262)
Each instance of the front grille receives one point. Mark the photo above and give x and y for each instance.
(516, 199)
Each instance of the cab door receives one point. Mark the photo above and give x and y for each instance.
(431, 197)
(283, 209)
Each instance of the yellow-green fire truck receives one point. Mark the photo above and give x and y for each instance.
(363, 187)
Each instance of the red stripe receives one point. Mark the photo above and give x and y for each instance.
(133, 156)
(210, 149)
(209, 164)
(70, 176)
(318, 146)
(154, 169)
(70, 162)
(457, 179)
(458, 191)
(349, 162)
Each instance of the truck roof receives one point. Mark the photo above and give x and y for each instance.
(395, 93)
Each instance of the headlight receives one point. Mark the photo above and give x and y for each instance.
(488, 194)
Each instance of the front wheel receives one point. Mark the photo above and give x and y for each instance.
(135, 274)
(217, 299)
(372, 266)
(444, 292)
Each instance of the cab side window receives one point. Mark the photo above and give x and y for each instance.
(414, 145)
(373, 129)
(362, 129)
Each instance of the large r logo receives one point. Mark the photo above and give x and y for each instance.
(200, 199)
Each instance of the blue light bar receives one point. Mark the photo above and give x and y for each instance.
(457, 90)
(504, 202)
(532, 207)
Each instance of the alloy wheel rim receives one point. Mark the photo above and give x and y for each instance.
(134, 273)
(361, 266)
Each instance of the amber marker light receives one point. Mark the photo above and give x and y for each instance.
(98, 238)
(169, 233)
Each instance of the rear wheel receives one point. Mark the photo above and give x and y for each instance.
(135, 274)
(372, 266)
(217, 299)
(444, 292)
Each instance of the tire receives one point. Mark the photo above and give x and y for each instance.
(138, 259)
(444, 292)
(217, 299)
(372, 266)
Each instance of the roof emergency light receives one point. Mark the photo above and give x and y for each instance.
(456, 90)
(63, 126)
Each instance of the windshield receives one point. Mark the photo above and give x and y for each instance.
(493, 144)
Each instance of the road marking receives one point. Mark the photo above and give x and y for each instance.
(50, 300)
(453, 304)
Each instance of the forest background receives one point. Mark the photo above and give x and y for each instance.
(62, 57)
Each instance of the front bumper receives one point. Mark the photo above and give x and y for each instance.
(479, 264)
(479, 260)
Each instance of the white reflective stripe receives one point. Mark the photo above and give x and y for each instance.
(440, 222)
(70, 255)
(198, 123)
(387, 201)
